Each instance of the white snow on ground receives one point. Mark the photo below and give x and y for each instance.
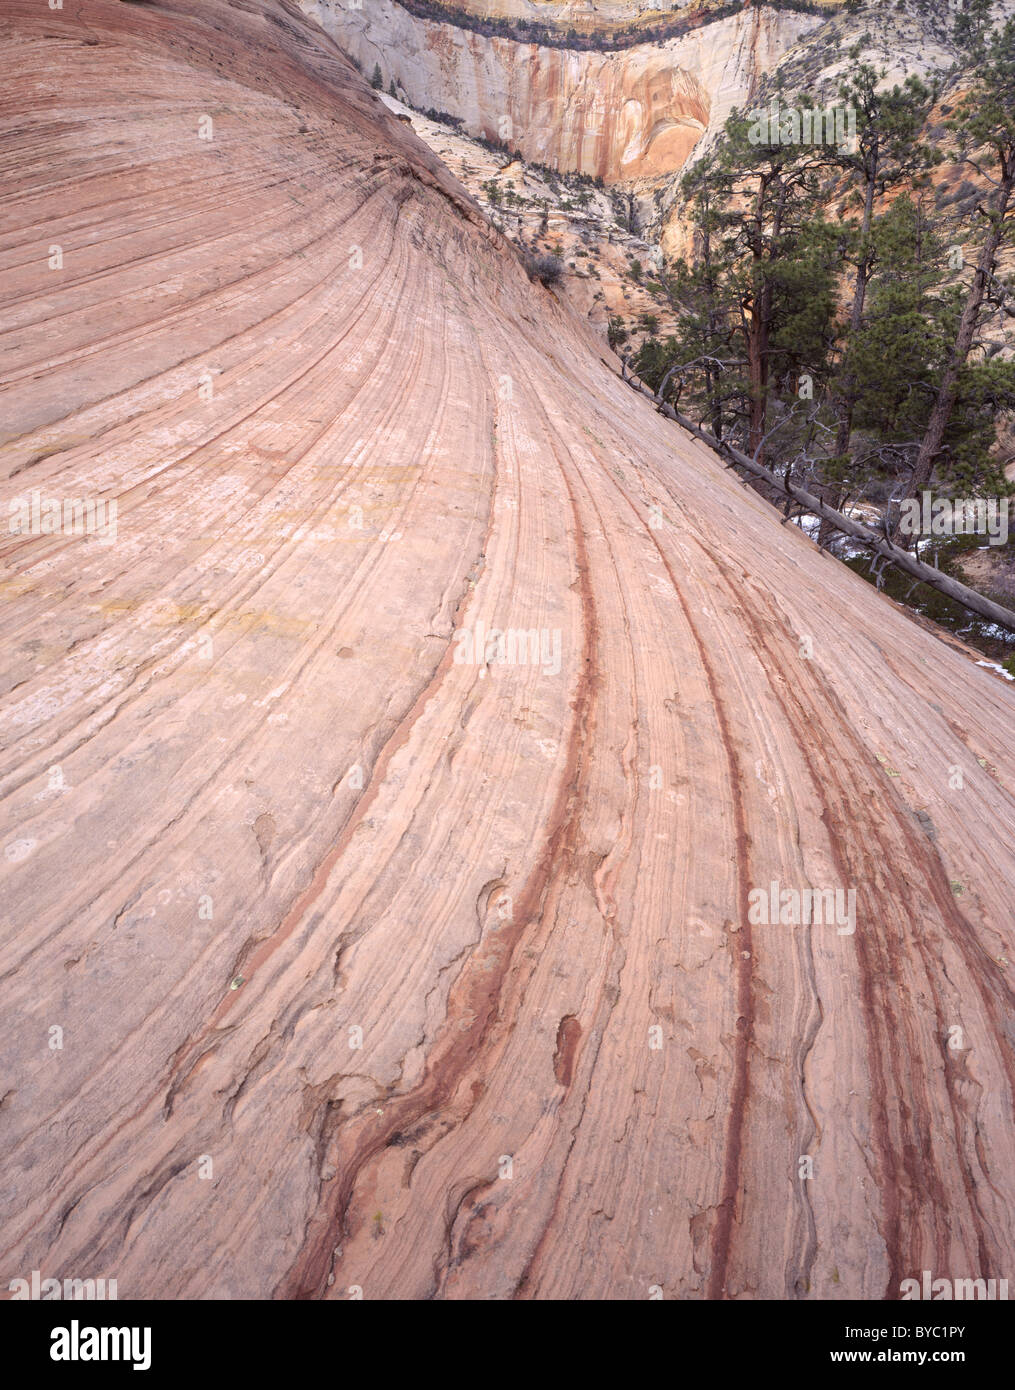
(996, 632)
(845, 548)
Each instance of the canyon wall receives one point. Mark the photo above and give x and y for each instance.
(583, 15)
(625, 114)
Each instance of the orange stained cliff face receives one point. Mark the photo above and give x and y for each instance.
(630, 113)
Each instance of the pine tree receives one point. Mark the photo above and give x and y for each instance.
(985, 126)
(706, 329)
(898, 356)
(758, 304)
(774, 198)
(972, 26)
(893, 356)
(887, 153)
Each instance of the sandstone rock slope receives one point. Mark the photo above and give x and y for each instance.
(337, 955)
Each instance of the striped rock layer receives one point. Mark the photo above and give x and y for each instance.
(338, 955)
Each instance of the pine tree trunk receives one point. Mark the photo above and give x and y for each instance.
(760, 325)
(947, 392)
(845, 423)
(756, 356)
(844, 428)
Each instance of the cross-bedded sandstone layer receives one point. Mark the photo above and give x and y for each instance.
(337, 953)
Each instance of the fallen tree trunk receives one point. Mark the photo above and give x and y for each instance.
(951, 588)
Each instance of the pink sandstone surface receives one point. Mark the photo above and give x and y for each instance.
(331, 962)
